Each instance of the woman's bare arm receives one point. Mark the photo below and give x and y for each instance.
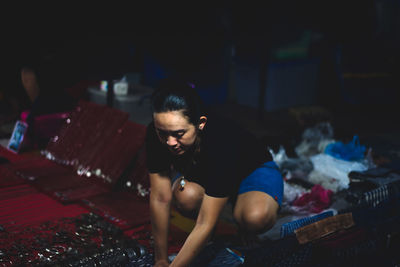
(160, 204)
(210, 210)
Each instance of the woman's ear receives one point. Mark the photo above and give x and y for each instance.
(202, 122)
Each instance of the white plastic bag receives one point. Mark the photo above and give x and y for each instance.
(278, 157)
(332, 173)
(291, 167)
(292, 191)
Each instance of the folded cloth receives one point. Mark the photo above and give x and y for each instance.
(324, 227)
(317, 200)
(370, 173)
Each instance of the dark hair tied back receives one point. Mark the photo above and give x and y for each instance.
(175, 95)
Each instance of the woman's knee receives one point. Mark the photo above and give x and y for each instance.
(188, 199)
(257, 220)
(256, 212)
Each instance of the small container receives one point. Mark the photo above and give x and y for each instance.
(121, 87)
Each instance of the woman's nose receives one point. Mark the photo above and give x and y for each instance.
(171, 141)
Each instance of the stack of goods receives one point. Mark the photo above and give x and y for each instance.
(84, 240)
(91, 152)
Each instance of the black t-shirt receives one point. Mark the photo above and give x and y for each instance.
(228, 154)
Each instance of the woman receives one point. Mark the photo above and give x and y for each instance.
(46, 95)
(217, 162)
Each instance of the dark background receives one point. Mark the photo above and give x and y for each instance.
(201, 42)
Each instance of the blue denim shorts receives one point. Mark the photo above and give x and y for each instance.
(267, 178)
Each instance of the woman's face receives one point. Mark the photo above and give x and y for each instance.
(174, 129)
(29, 81)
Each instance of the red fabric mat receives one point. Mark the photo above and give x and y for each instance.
(16, 191)
(53, 179)
(124, 209)
(14, 157)
(69, 187)
(98, 140)
(79, 193)
(11, 156)
(138, 179)
(8, 177)
(106, 128)
(22, 206)
(50, 184)
(38, 167)
(86, 132)
(119, 152)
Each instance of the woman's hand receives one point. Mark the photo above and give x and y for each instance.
(160, 201)
(210, 209)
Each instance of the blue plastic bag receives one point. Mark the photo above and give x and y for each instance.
(351, 151)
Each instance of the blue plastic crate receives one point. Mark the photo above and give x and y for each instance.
(288, 228)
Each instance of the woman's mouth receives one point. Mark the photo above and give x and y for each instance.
(176, 150)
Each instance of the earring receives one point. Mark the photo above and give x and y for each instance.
(182, 183)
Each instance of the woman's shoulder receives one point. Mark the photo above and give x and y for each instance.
(222, 135)
(226, 129)
(226, 137)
